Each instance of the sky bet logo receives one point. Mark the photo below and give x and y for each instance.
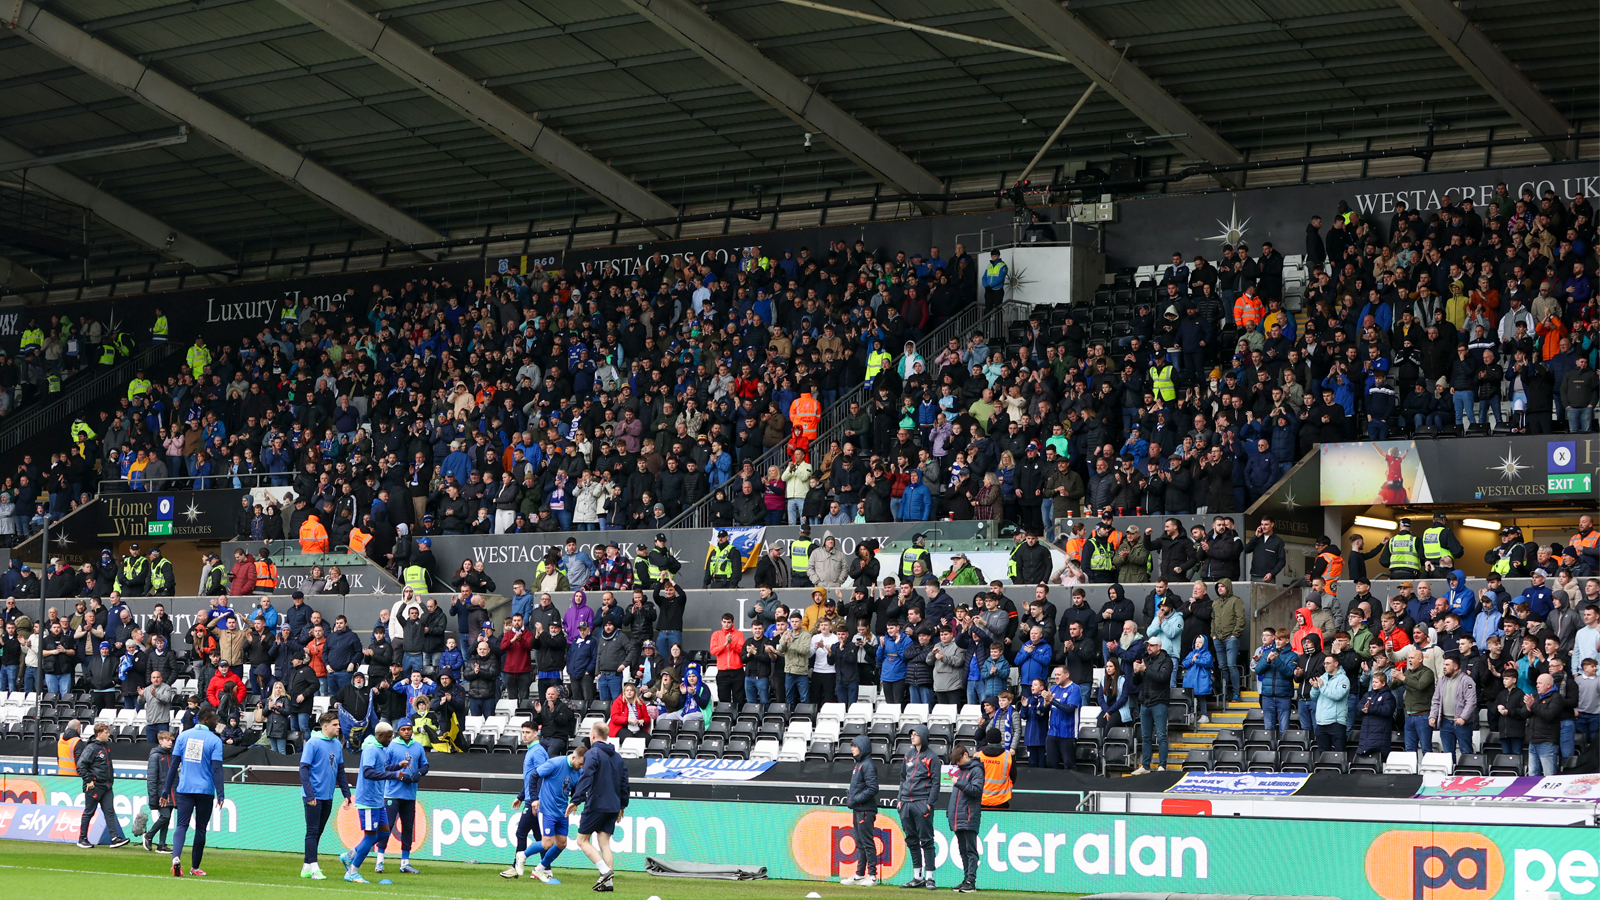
(1434, 865)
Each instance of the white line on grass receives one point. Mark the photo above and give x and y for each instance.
(209, 880)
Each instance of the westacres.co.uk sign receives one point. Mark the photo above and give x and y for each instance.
(1019, 851)
(228, 312)
(1144, 232)
(1406, 473)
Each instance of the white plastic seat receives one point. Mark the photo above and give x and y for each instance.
(1437, 764)
(970, 714)
(915, 713)
(1400, 762)
(831, 712)
(858, 713)
(942, 714)
(1088, 715)
(766, 750)
(632, 748)
(505, 708)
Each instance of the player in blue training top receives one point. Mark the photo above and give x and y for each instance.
(321, 770)
(400, 795)
(374, 818)
(602, 791)
(535, 757)
(557, 779)
(196, 776)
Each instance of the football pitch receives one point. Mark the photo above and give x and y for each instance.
(62, 870)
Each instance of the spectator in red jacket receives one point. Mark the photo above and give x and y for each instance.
(516, 658)
(226, 687)
(630, 716)
(242, 577)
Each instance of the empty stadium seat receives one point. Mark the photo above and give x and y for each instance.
(1335, 762)
(1400, 762)
(1198, 761)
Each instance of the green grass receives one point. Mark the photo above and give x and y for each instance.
(61, 870)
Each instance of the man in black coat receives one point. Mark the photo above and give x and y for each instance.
(1176, 551)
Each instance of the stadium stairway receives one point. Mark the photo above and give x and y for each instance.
(1201, 737)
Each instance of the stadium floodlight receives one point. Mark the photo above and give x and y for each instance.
(1370, 522)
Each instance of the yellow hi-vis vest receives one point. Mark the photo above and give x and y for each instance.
(1161, 383)
(1403, 553)
(722, 561)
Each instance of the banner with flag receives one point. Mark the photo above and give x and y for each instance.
(747, 538)
(354, 732)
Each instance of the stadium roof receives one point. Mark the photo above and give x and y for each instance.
(339, 123)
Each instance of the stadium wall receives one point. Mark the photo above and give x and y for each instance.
(1051, 853)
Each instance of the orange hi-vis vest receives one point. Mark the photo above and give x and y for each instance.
(996, 778)
(359, 540)
(1247, 311)
(266, 575)
(1586, 542)
(806, 412)
(313, 537)
(67, 756)
(1335, 568)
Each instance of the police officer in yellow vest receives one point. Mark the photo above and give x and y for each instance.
(724, 564)
(800, 558)
(1161, 384)
(198, 357)
(108, 353)
(133, 577)
(162, 580)
(663, 565)
(123, 343)
(1439, 543)
(994, 281)
(81, 431)
(1101, 556)
(158, 330)
(910, 556)
(1510, 559)
(288, 317)
(877, 361)
(138, 386)
(1401, 553)
(32, 338)
(53, 383)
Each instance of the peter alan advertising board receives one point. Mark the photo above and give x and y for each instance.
(1020, 851)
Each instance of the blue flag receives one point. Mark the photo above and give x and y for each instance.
(354, 732)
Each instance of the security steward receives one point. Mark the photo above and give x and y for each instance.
(998, 761)
(162, 581)
(800, 558)
(67, 749)
(1328, 565)
(415, 574)
(1510, 559)
(266, 573)
(724, 564)
(158, 328)
(1440, 543)
(133, 576)
(916, 552)
(1402, 554)
(216, 576)
(1101, 556)
(313, 536)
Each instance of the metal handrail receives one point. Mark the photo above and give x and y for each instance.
(973, 318)
(36, 420)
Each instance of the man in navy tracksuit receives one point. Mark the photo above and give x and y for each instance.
(603, 792)
(862, 799)
(919, 792)
(966, 814)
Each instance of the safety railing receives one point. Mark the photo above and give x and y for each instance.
(78, 394)
(974, 318)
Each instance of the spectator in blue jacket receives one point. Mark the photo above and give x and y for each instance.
(916, 503)
(1260, 468)
(1274, 668)
(341, 655)
(1033, 657)
(892, 663)
(993, 671)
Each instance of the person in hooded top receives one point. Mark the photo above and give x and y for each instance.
(919, 791)
(862, 801)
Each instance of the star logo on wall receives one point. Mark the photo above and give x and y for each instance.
(1289, 500)
(62, 539)
(1233, 230)
(191, 512)
(1510, 467)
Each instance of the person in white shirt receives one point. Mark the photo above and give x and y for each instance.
(823, 674)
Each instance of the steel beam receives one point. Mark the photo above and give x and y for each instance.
(1123, 80)
(482, 106)
(50, 32)
(720, 46)
(142, 227)
(1481, 58)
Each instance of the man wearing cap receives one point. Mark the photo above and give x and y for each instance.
(917, 552)
(724, 564)
(1440, 544)
(1402, 553)
(133, 576)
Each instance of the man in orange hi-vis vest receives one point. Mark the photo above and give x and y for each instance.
(806, 412)
(313, 537)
